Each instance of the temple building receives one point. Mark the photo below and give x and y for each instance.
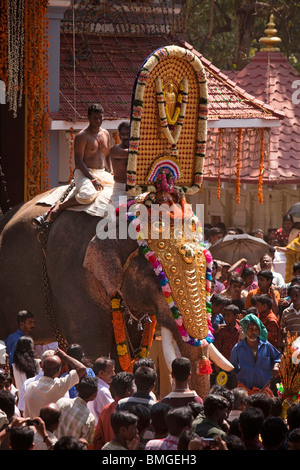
(96, 49)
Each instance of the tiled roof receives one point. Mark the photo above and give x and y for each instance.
(106, 68)
(270, 78)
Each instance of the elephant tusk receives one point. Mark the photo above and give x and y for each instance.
(219, 359)
(168, 347)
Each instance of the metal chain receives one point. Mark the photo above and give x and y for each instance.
(43, 238)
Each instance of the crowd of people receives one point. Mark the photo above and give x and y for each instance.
(59, 400)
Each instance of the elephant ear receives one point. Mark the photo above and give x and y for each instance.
(105, 259)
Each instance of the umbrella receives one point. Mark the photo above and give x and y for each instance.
(294, 210)
(232, 248)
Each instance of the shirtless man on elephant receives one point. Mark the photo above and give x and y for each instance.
(91, 151)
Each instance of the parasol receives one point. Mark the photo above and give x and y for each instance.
(232, 248)
(294, 210)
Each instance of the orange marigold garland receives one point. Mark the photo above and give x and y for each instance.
(238, 167)
(125, 359)
(219, 162)
(261, 165)
(116, 138)
(36, 90)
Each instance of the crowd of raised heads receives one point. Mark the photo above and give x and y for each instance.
(105, 410)
(55, 399)
(274, 236)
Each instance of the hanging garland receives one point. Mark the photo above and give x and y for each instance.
(15, 50)
(238, 167)
(219, 162)
(36, 90)
(125, 359)
(261, 165)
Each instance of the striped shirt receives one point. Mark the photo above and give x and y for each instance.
(76, 419)
(168, 443)
(290, 319)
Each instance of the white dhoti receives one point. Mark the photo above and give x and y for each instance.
(86, 192)
(89, 199)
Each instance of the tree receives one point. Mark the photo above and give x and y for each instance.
(227, 32)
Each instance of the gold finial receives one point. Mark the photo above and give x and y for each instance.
(271, 41)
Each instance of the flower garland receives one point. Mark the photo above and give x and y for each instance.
(15, 59)
(261, 166)
(137, 111)
(238, 167)
(126, 362)
(166, 122)
(219, 162)
(36, 84)
(166, 289)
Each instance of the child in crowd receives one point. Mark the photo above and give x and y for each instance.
(234, 291)
(268, 318)
(217, 305)
(229, 335)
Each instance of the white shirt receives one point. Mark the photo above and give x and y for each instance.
(102, 399)
(39, 444)
(47, 390)
(21, 402)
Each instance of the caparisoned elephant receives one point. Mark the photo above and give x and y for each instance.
(84, 273)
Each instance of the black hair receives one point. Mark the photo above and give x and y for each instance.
(265, 300)
(294, 287)
(261, 401)
(158, 413)
(95, 108)
(177, 419)
(87, 386)
(21, 438)
(218, 299)
(7, 403)
(232, 308)
(124, 124)
(273, 432)
(24, 356)
(101, 364)
(145, 378)
(251, 421)
(236, 279)
(143, 361)
(247, 272)
(69, 443)
(120, 383)
(23, 315)
(214, 402)
(181, 368)
(266, 273)
(122, 418)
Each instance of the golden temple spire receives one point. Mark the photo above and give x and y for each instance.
(270, 41)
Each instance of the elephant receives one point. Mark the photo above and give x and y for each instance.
(78, 273)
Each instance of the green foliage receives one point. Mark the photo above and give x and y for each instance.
(227, 32)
